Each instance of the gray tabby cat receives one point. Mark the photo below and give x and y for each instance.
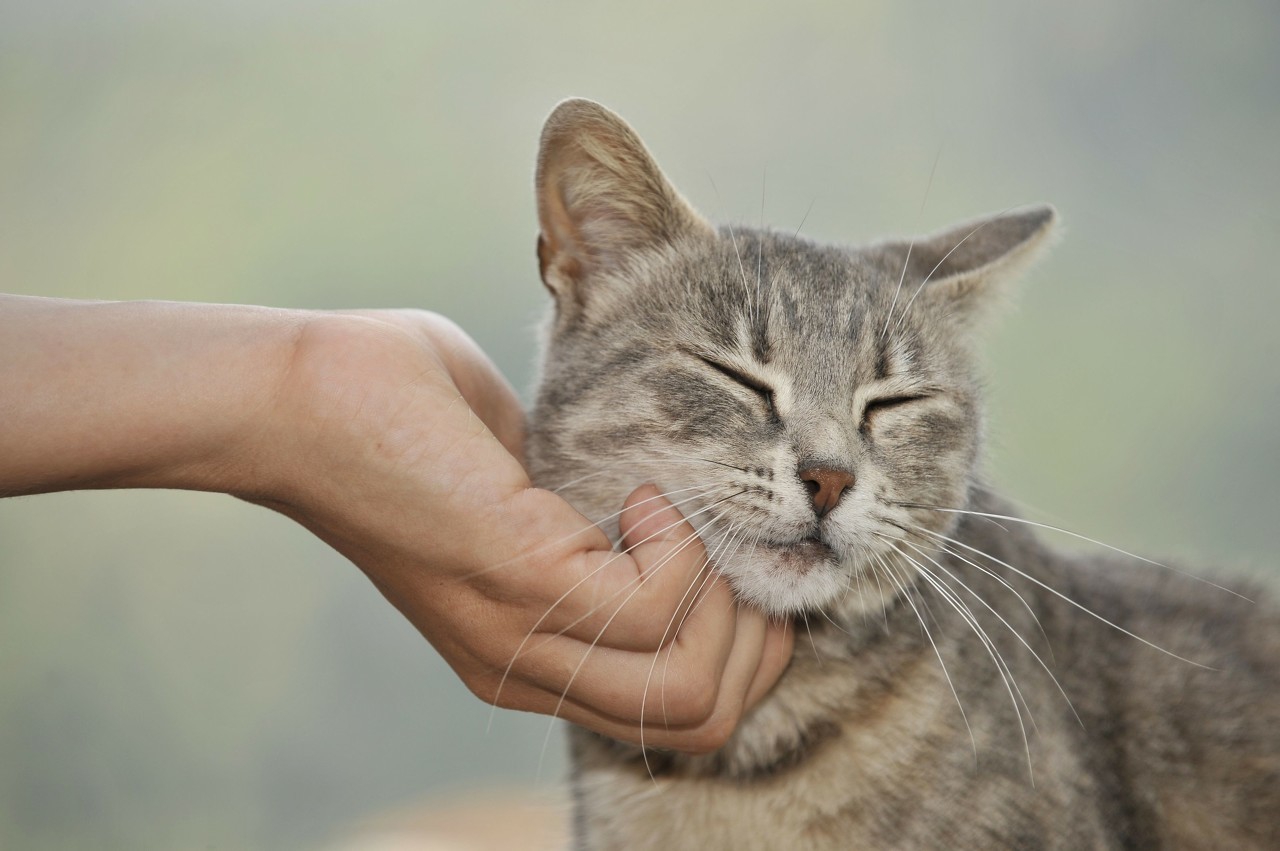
(966, 686)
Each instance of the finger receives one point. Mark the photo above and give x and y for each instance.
(630, 600)
(649, 519)
(526, 698)
(753, 637)
(695, 736)
(740, 671)
(615, 682)
(775, 656)
(671, 563)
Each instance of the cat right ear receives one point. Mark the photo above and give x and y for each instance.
(602, 199)
(961, 269)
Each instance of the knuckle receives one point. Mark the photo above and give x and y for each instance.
(508, 699)
(653, 634)
(485, 688)
(693, 699)
(715, 734)
(491, 690)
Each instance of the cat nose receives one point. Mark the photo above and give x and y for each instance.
(826, 485)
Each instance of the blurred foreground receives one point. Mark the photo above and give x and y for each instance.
(496, 820)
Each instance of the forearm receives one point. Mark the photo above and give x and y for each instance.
(136, 394)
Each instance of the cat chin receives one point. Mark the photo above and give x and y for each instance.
(788, 580)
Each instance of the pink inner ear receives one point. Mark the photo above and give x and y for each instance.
(560, 243)
(600, 195)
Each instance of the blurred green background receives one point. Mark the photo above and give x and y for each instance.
(182, 670)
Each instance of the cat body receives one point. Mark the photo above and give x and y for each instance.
(862, 744)
(815, 413)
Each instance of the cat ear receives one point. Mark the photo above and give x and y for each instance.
(601, 198)
(962, 268)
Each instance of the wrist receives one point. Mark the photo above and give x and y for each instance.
(238, 436)
(326, 414)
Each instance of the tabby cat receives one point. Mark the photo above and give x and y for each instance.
(966, 686)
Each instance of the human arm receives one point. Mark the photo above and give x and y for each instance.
(393, 438)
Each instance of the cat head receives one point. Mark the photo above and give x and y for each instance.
(794, 400)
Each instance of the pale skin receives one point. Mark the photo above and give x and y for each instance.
(392, 437)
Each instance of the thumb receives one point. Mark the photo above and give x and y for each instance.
(648, 517)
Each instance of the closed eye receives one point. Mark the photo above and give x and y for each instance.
(764, 391)
(886, 403)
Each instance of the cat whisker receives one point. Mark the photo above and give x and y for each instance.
(644, 696)
(741, 268)
(555, 714)
(534, 629)
(687, 541)
(665, 457)
(823, 612)
(1018, 503)
(910, 246)
(594, 524)
(850, 577)
(1012, 519)
(898, 291)
(942, 547)
(1002, 661)
(1006, 673)
(816, 654)
(698, 599)
(972, 739)
(804, 218)
(880, 591)
(640, 579)
(1067, 599)
(1008, 625)
(746, 288)
(764, 182)
(938, 266)
(911, 529)
(624, 467)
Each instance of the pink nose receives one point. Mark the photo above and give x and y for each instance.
(826, 485)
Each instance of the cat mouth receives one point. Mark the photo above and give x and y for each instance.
(802, 555)
(787, 577)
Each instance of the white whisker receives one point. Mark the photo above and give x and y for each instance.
(594, 524)
(534, 629)
(1009, 626)
(1078, 536)
(764, 182)
(997, 577)
(804, 218)
(555, 714)
(746, 288)
(910, 246)
(644, 696)
(1002, 669)
(962, 241)
(1084, 609)
(937, 653)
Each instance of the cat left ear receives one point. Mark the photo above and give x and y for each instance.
(601, 199)
(965, 264)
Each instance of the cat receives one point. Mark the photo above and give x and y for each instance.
(964, 685)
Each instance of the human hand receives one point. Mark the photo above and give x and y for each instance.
(396, 441)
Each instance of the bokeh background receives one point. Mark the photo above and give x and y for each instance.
(185, 671)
